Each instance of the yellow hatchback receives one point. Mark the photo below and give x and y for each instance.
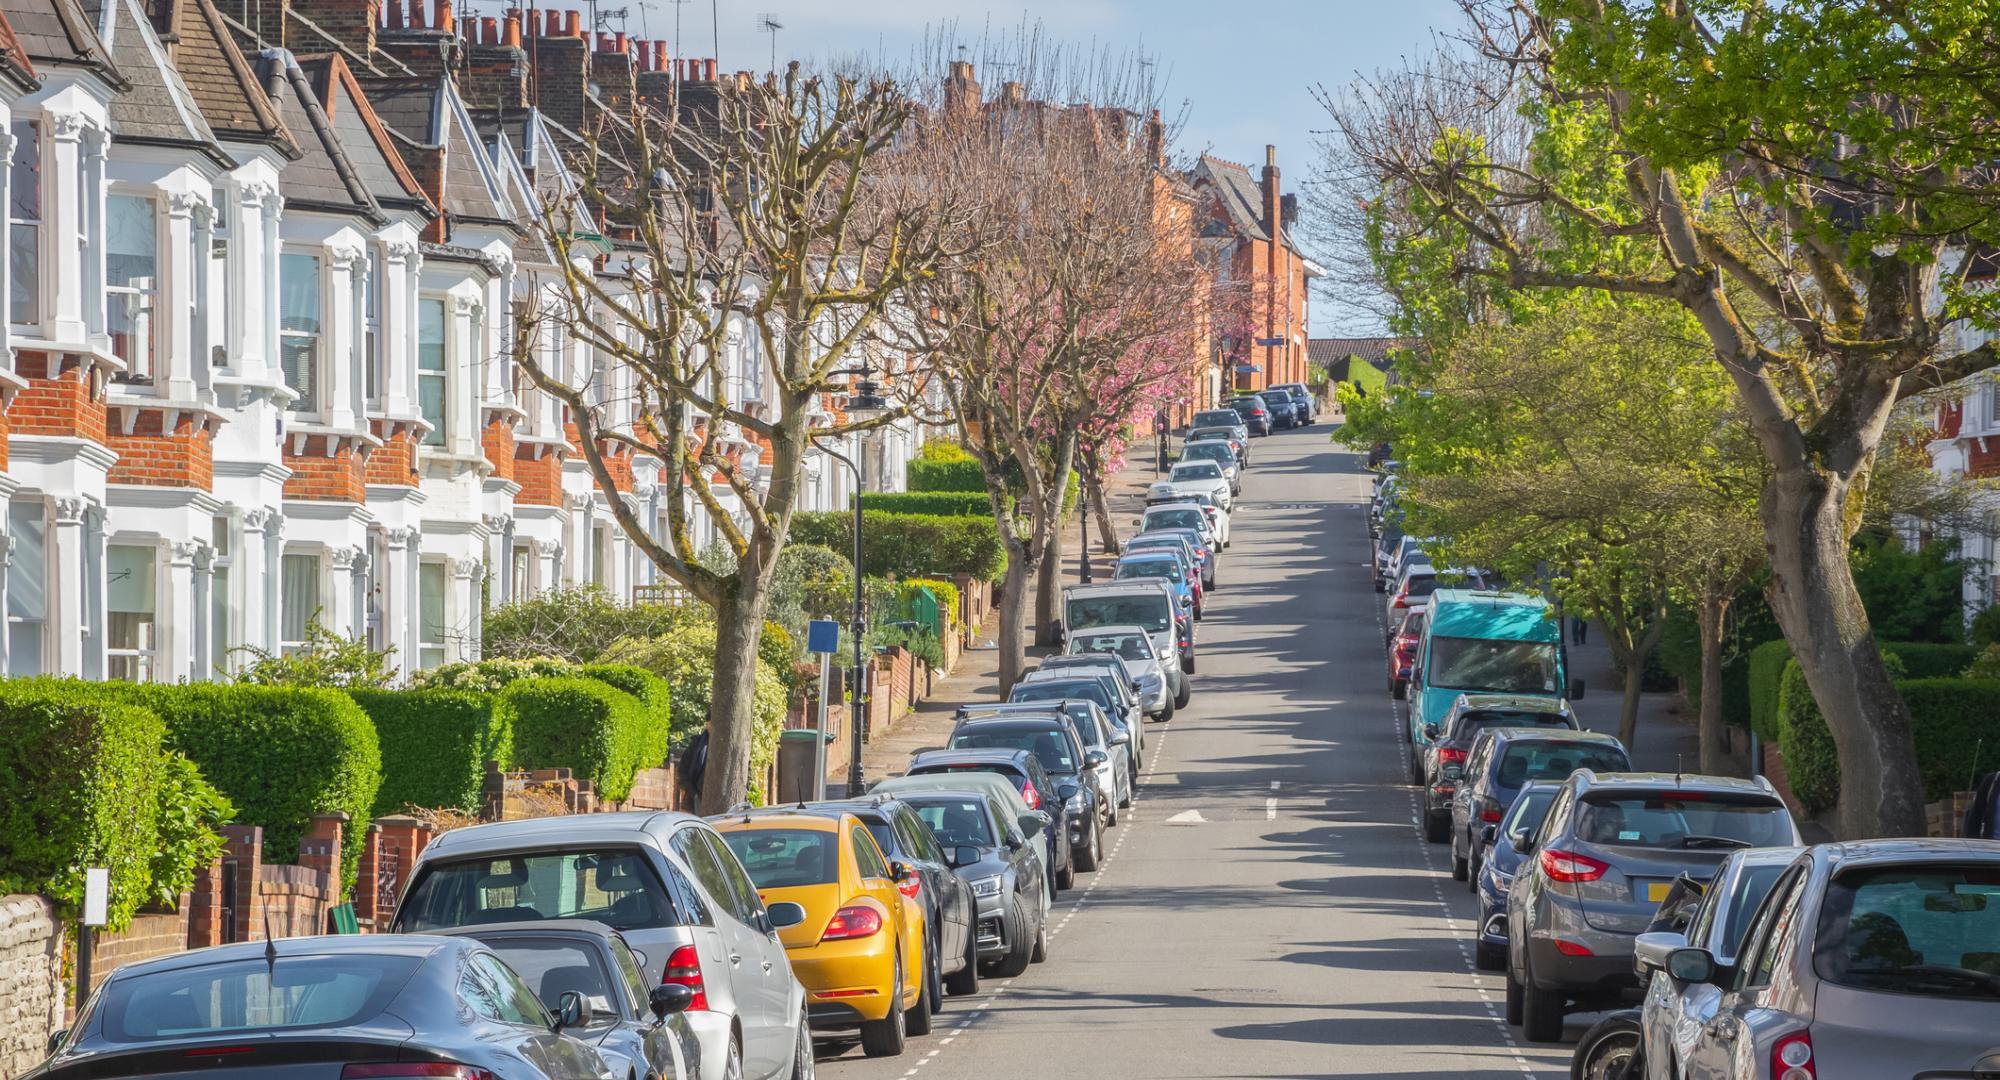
(860, 950)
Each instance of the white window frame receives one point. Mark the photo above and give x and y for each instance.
(136, 662)
(144, 364)
(317, 337)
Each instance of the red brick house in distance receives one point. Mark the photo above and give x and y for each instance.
(1263, 276)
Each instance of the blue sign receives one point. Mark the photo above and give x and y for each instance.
(822, 636)
(1270, 342)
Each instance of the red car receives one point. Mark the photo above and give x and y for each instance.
(1403, 651)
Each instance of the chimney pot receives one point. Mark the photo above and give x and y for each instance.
(708, 69)
(392, 14)
(643, 55)
(554, 24)
(511, 36)
(620, 44)
(603, 42)
(416, 14)
(447, 19)
(1270, 156)
(572, 24)
(660, 60)
(489, 31)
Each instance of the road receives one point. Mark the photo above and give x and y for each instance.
(1270, 910)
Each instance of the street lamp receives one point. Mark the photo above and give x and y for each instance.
(1083, 524)
(866, 401)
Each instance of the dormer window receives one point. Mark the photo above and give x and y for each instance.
(131, 282)
(299, 327)
(24, 225)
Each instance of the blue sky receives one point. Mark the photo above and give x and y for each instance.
(1244, 68)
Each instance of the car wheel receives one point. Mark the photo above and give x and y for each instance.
(1066, 877)
(1020, 948)
(732, 1066)
(965, 981)
(1541, 1012)
(1182, 695)
(1472, 869)
(1437, 831)
(1125, 803)
(802, 1054)
(1514, 997)
(1460, 868)
(1488, 957)
(1041, 948)
(1416, 769)
(1093, 850)
(1611, 1050)
(918, 1020)
(886, 1037)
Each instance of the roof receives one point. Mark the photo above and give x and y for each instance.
(1239, 195)
(1327, 351)
(450, 157)
(625, 827)
(347, 162)
(59, 32)
(970, 757)
(1864, 852)
(201, 49)
(1547, 734)
(14, 62)
(1500, 616)
(156, 106)
(778, 818)
(1666, 781)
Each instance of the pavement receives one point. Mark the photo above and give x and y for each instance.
(1268, 909)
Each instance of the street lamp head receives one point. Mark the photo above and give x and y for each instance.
(867, 401)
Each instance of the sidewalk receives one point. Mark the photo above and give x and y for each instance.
(1666, 738)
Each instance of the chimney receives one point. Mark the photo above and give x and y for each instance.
(429, 52)
(353, 23)
(961, 90)
(1013, 93)
(393, 14)
(562, 78)
(708, 69)
(612, 70)
(572, 24)
(496, 67)
(446, 21)
(1273, 208)
(510, 35)
(416, 15)
(488, 32)
(654, 83)
(1156, 139)
(554, 24)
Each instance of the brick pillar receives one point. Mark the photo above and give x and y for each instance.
(368, 874)
(402, 839)
(243, 858)
(320, 848)
(205, 912)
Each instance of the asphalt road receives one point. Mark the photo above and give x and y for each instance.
(1270, 909)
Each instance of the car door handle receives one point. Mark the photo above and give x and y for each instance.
(767, 967)
(735, 958)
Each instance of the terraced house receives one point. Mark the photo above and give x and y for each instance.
(262, 273)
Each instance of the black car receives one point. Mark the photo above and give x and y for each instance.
(1060, 747)
(639, 1024)
(1308, 405)
(1024, 770)
(1255, 413)
(998, 865)
(1450, 743)
(948, 909)
(352, 1005)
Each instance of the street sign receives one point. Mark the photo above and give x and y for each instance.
(822, 636)
(1270, 342)
(96, 895)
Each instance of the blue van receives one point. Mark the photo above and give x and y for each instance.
(1479, 642)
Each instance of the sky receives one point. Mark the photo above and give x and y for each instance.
(1244, 70)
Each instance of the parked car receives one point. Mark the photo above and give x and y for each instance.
(1390, 557)
(347, 1006)
(664, 880)
(1115, 775)
(1221, 418)
(1672, 1011)
(637, 1025)
(1450, 743)
(1412, 587)
(1304, 396)
(1160, 565)
(1055, 742)
(1122, 710)
(1134, 646)
(1502, 761)
(927, 877)
(1148, 604)
(1218, 518)
(1022, 769)
(862, 950)
(1483, 643)
(999, 864)
(1187, 515)
(1196, 539)
(1501, 848)
(1875, 957)
(1185, 542)
(1292, 405)
(1030, 821)
(1403, 651)
(1256, 416)
(1222, 455)
(1609, 850)
(1078, 708)
(1233, 435)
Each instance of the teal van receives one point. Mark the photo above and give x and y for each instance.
(1478, 642)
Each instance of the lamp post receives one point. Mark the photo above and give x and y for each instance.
(1083, 523)
(866, 400)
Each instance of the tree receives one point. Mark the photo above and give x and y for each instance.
(777, 221)
(1808, 179)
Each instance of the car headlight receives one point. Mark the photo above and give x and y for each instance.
(1075, 804)
(986, 886)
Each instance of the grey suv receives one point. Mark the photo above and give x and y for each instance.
(1608, 852)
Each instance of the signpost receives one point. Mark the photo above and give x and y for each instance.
(96, 899)
(822, 637)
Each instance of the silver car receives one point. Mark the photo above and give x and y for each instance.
(1878, 958)
(665, 881)
(1608, 852)
(1131, 645)
(1675, 1012)
(1149, 605)
(1127, 709)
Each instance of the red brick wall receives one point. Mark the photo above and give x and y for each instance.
(150, 935)
(340, 478)
(295, 899)
(395, 461)
(183, 457)
(540, 480)
(57, 400)
(618, 462)
(497, 439)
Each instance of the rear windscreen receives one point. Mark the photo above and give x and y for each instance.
(1149, 611)
(614, 887)
(1474, 722)
(956, 821)
(1056, 691)
(784, 858)
(1525, 761)
(1176, 519)
(253, 995)
(1049, 747)
(1684, 820)
(1930, 930)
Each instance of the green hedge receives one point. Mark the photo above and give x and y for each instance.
(935, 503)
(1955, 722)
(1920, 659)
(909, 545)
(656, 734)
(281, 754)
(78, 769)
(435, 746)
(924, 475)
(598, 732)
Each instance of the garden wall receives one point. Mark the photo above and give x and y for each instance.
(31, 973)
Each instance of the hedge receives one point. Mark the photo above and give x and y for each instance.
(945, 591)
(656, 733)
(909, 545)
(936, 503)
(593, 729)
(281, 754)
(435, 746)
(1955, 722)
(685, 658)
(1920, 659)
(79, 771)
(924, 475)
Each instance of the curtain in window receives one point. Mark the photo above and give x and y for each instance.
(131, 268)
(300, 595)
(27, 586)
(430, 613)
(430, 368)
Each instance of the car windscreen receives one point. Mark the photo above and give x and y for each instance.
(954, 820)
(1215, 450)
(1932, 930)
(1226, 418)
(1492, 666)
(1214, 434)
(1150, 612)
(1164, 569)
(252, 996)
(1683, 820)
(1057, 690)
(1128, 646)
(551, 966)
(1521, 762)
(1187, 518)
(1420, 585)
(786, 858)
(614, 887)
(1197, 470)
(1049, 745)
(1476, 721)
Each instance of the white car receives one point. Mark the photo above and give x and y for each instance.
(1189, 515)
(1219, 451)
(1196, 477)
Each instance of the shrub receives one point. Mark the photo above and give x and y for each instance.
(280, 754)
(1985, 628)
(1930, 660)
(938, 503)
(910, 545)
(914, 638)
(685, 658)
(491, 676)
(1767, 672)
(1955, 723)
(655, 697)
(1984, 666)
(189, 814)
(591, 728)
(811, 582)
(1909, 659)
(1910, 595)
(435, 746)
(960, 475)
(945, 591)
(1812, 764)
(939, 448)
(81, 774)
(326, 659)
(575, 624)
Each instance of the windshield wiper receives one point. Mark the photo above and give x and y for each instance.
(1935, 976)
(1714, 842)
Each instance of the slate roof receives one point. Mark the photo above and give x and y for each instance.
(1375, 350)
(347, 161)
(14, 62)
(59, 32)
(446, 151)
(156, 107)
(225, 88)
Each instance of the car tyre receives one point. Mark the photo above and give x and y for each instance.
(1066, 877)
(1541, 1012)
(1092, 854)
(1040, 952)
(887, 1037)
(1438, 830)
(918, 1020)
(1461, 870)
(1612, 1049)
(965, 981)
(1416, 769)
(1472, 870)
(732, 1066)
(1514, 998)
(1181, 698)
(1125, 803)
(1020, 949)
(1488, 957)
(802, 1054)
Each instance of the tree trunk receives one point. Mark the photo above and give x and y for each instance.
(1048, 585)
(1632, 653)
(1813, 596)
(1714, 610)
(739, 624)
(1093, 484)
(1013, 605)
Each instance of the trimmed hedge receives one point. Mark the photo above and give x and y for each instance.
(435, 746)
(593, 729)
(927, 475)
(656, 735)
(281, 754)
(79, 771)
(936, 503)
(909, 545)
(1955, 722)
(1920, 660)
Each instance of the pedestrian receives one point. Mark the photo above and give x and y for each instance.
(1982, 818)
(688, 771)
(1579, 628)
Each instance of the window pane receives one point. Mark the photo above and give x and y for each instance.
(221, 635)
(24, 261)
(25, 180)
(430, 590)
(301, 594)
(132, 240)
(27, 591)
(299, 325)
(130, 578)
(430, 368)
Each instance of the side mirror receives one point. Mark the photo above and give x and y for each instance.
(1575, 689)
(572, 1011)
(56, 1040)
(1094, 758)
(785, 914)
(1431, 732)
(1120, 738)
(1650, 951)
(669, 998)
(1015, 841)
(966, 855)
(1486, 833)
(899, 871)
(1066, 792)
(1691, 965)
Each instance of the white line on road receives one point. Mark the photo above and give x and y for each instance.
(1271, 809)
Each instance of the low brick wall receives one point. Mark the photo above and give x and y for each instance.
(31, 1006)
(152, 933)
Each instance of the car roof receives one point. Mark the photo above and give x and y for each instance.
(1129, 629)
(1045, 707)
(1539, 734)
(1183, 504)
(567, 830)
(420, 946)
(1492, 615)
(1149, 554)
(918, 795)
(1121, 588)
(1851, 854)
(785, 817)
(1057, 675)
(1648, 782)
(578, 928)
(1517, 703)
(1050, 718)
(993, 756)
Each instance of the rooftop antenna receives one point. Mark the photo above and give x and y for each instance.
(605, 17)
(678, 5)
(768, 24)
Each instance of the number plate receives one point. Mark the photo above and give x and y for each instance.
(1657, 891)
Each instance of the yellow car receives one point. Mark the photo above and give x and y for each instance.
(860, 950)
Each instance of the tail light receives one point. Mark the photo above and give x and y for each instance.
(1489, 815)
(853, 921)
(1448, 755)
(1792, 1058)
(1032, 797)
(411, 1069)
(1402, 601)
(1569, 866)
(910, 884)
(684, 969)
(1572, 948)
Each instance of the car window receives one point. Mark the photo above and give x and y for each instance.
(959, 821)
(1475, 764)
(917, 835)
(493, 990)
(1128, 646)
(1050, 747)
(1527, 812)
(614, 886)
(308, 992)
(707, 869)
(1051, 690)
(689, 898)
(1769, 932)
(785, 858)
(1557, 818)
(551, 966)
(1539, 760)
(866, 855)
(1752, 885)
(1473, 721)
(1150, 612)
(1684, 820)
(1176, 519)
(1163, 569)
(631, 973)
(747, 906)
(1932, 930)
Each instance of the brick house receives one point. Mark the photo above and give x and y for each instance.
(1251, 222)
